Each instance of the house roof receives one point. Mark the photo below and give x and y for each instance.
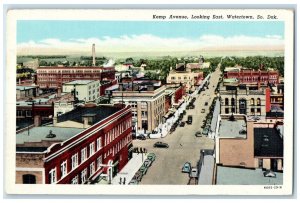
(267, 142)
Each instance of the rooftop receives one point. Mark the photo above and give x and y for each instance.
(242, 176)
(79, 82)
(231, 129)
(97, 113)
(38, 134)
(268, 142)
(25, 87)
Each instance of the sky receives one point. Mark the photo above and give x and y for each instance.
(144, 36)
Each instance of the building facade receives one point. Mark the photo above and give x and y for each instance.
(55, 77)
(244, 99)
(95, 145)
(148, 105)
(248, 76)
(86, 90)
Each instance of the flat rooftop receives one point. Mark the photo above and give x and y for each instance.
(97, 113)
(79, 82)
(38, 134)
(25, 87)
(242, 176)
(231, 129)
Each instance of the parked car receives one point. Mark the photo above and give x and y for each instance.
(160, 145)
(194, 173)
(133, 182)
(206, 103)
(137, 176)
(205, 131)
(141, 137)
(203, 111)
(190, 119)
(186, 168)
(147, 163)
(192, 106)
(143, 170)
(151, 155)
(182, 124)
(198, 134)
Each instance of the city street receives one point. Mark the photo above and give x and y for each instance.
(183, 145)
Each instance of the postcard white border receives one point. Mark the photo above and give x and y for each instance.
(142, 15)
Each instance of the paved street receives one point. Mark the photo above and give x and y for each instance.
(183, 145)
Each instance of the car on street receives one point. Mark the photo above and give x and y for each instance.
(194, 173)
(186, 168)
(147, 163)
(133, 182)
(189, 119)
(198, 134)
(182, 124)
(205, 131)
(143, 170)
(206, 103)
(203, 111)
(137, 176)
(151, 155)
(160, 145)
(141, 137)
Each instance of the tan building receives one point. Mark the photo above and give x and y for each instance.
(185, 77)
(242, 142)
(147, 103)
(243, 99)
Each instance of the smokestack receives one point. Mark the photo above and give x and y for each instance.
(37, 120)
(59, 92)
(94, 55)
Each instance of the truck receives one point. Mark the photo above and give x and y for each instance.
(189, 119)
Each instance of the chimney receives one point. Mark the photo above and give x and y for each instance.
(37, 120)
(85, 122)
(94, 55)
(59, 92)
(54, 121)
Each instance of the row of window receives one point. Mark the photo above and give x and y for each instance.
(68, 71)
(252, 101)
(252, 110)
(21, 113)
(108, 137)
(179, 78)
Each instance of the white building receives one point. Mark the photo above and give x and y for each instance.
(86, 90)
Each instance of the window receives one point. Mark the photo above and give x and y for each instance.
(232, 102)
(74, 161)
(226, 110)
(29, 179)
(83, 176)
(258, 110)
(252, 111)
(99, 162)
(52, 176)
(252, 101)
(92, 149)
(63, 169)
(226, 101)
(99, 143)
(83, 155)
(92, 168)
(258, 103)
(28, 113)
(75, 180)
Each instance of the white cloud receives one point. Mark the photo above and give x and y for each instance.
(145, 43)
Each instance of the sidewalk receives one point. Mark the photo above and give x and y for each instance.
(130, 169)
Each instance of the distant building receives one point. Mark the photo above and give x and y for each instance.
(82, 146)
(86, 90)
(185, 77)
(174, 96)
(249, 76)
(26, 92)
(147, 101)
(55, 77)
(244, 142)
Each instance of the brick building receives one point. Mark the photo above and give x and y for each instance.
(248, 76)
(54, 77)
(95, 144)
